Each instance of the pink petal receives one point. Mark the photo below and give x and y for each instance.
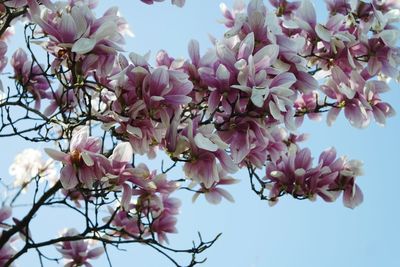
(225, 194)
(68, 28)
(213, 197)
(159, 81)
(68, 177)
(353, 198)
(126, 196)
(95, 253)
(332, 115)
(194, 51)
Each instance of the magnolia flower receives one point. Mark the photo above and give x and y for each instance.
(205, 148)
(6, 253)
(29, 164)
(77, 253)
(129, 223)
(30, 76)
(348, 91)
(83, 165)
(164, 90)
(73, 27)
(294, 174)
(306, 105)
(215, 193)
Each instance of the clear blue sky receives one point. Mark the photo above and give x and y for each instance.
(293, 233)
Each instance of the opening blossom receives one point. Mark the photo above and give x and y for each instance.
(82, 165)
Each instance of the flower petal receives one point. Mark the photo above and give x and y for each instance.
(55, 154)
(68, 177)
(205, 143)
(83, 45)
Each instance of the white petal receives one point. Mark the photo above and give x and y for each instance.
(55, 154)
(390, 37)
(273, 109)
(258, 96)
(83, 45)
(204, 143)
(222, 73)
(323, 33)
(106, 29)
(135, 131)
(347, 91)
(122, 152)
(218, 141)
(87, 159)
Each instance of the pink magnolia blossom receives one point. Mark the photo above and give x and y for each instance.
(146, 195)
(306, 105)
(30, 76)
(74, 28)
(348, 92)
(164, 90)
(245, 136)
(6, 253)
(77, 253)
(338, 6)
(380, 110)
(205, 148)
(83, 165)
(215, 193)
(294, 174)
(127, 224)
(165, 222)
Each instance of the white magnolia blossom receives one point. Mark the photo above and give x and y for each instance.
(28, 164)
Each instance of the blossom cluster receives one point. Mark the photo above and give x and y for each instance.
(294, 174)
(239, 105)
(145, 195)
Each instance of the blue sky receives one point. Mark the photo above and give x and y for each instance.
(293, 233)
